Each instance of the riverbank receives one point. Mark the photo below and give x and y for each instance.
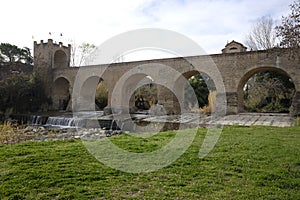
(12, 133)
(66, 127)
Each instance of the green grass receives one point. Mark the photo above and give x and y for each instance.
(247, 163)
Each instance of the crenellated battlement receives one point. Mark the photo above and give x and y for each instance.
(50, 43)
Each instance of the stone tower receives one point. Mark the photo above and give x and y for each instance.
(49, 57)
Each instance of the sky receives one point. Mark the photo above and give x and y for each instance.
(210, 23)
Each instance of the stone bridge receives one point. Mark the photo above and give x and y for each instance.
(235, 69)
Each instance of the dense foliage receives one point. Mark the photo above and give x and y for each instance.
(20, 89)
(269, 92)
(202, 85)
(21, 93)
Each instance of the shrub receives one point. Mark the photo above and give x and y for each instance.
(22, 93)
(7, 133)
(210, 107)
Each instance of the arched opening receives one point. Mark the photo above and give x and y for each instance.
(101, 97)
(129, 91)
(266, 90)
(168, 100)
(144, 95)
(204, 89)
(60, 59)
(61, 94)
(93, 94)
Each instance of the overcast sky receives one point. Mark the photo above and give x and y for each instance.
(211, 23)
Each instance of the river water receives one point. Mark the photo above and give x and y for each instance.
(86, 119)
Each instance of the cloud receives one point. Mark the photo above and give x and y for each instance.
(209, 22)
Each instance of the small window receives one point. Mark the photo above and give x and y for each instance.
(233, 48)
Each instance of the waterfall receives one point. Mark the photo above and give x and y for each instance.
(65, 122)
(37, 120)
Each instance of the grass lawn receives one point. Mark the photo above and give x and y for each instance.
(247, 163)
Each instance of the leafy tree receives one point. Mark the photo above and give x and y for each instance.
(11, 54)
(289, 30)
(269, 91)
(22, 93)
(262, 35)
(199, 85)
(25, 56)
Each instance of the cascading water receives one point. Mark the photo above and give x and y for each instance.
(65, 122)
(83, 120)
(37, 120)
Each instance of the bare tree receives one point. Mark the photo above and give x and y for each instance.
(73, 53)
(289, 30)
(85, 50)
(79, 53)
(262, 34)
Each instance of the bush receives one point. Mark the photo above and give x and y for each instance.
(22, 93)
(210, 107)
(269, 91)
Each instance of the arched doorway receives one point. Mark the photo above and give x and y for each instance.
(266, 90)
(61, 93)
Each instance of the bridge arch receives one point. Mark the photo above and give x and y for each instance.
(129, 82)
(201, 100)
(250, 73)
(144, 92)
(61, 93)
(87, 93)
(123, 91)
